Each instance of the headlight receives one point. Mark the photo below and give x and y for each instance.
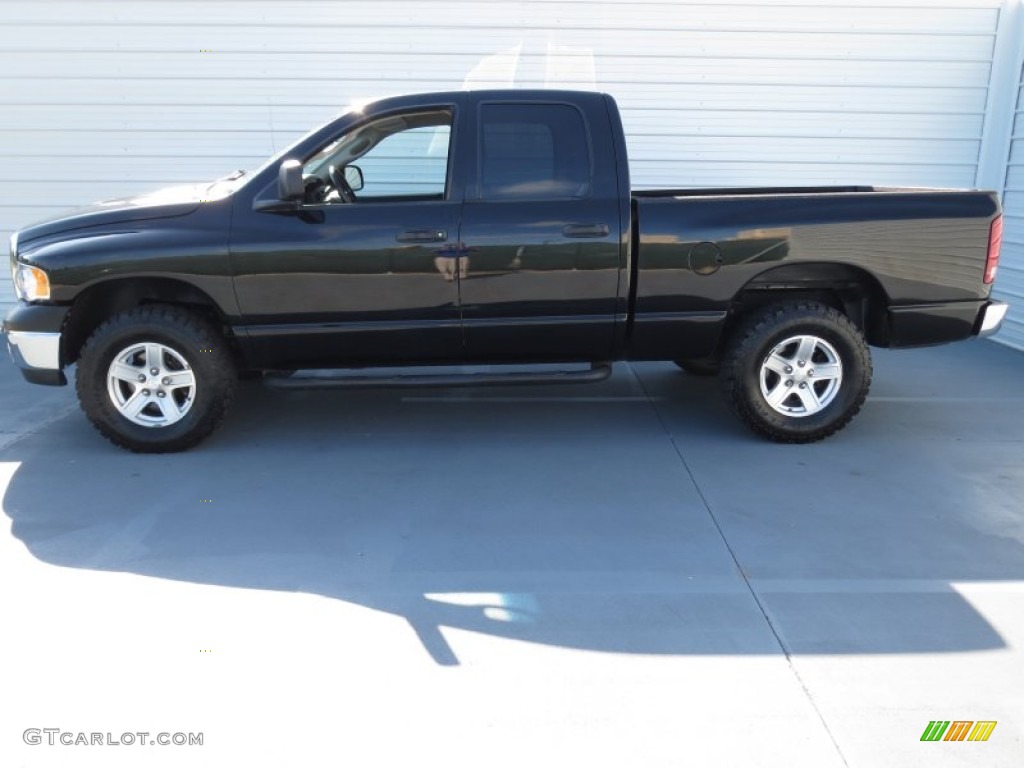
(31, 283)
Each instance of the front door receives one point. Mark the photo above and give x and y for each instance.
(360, 274)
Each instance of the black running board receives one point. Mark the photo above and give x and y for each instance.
(345, 380)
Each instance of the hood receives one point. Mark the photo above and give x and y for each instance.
(161, 204)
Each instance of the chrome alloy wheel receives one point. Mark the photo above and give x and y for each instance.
(151, 385)
(801, 376)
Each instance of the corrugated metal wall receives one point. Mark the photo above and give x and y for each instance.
(1010, 281)
(106, 98)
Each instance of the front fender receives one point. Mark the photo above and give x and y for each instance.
(191, 249)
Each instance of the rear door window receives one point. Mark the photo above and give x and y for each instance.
(533, 151)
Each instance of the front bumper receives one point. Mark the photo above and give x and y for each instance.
(33, 334)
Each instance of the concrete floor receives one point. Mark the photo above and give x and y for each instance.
(614, 574)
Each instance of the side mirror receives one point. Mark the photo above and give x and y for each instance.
(290, 190)
(354, 177)
(289, 181)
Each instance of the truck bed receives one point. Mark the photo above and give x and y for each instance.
(920, 252)
(771, 191)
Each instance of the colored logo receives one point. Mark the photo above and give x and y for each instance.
(958, 730)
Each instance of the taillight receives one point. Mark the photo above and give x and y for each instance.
(995, 239)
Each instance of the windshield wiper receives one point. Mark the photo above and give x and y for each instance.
(225, 179)
(230, 177)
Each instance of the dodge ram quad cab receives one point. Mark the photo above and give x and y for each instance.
(493, 229)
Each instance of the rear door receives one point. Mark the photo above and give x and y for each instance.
(539, 256)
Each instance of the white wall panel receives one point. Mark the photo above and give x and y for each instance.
(1010, 280)
(111, 98)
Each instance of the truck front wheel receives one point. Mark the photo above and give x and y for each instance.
(796, 372)
(155, 379)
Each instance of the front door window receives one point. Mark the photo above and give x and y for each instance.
(395, 159)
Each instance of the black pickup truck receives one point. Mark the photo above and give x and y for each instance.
(490, 228)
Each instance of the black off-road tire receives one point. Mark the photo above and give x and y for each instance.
(704, 366)
(754, 341)
(189, 337)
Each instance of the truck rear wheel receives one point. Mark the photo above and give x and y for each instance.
(796, 372)
(155, 379)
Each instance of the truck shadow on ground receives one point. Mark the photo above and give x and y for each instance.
(565, 516)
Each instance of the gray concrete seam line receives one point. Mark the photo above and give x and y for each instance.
(6, 441)
(743, 574)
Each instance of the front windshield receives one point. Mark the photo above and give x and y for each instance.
(232, 182)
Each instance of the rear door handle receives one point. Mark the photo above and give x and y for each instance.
(422, 236)
(585, 230)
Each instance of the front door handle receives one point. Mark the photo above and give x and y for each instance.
(585, 230)
(422, 236)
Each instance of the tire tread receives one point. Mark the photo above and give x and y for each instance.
(750, 334)
(220, 379)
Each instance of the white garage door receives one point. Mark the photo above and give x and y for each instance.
(1010, 282)
(108, 98)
